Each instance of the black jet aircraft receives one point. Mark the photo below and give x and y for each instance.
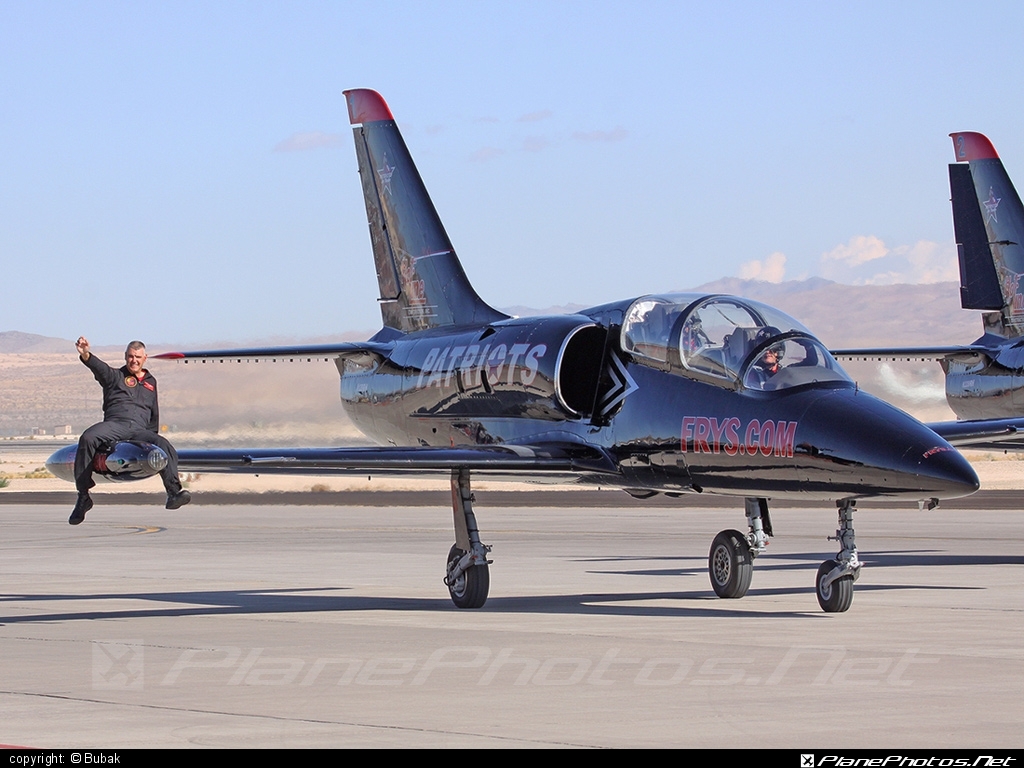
(665, 393)
(984, 379)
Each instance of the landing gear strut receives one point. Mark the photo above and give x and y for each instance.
(466, 575)
(731, 566)
(730, 561)
(834, 584)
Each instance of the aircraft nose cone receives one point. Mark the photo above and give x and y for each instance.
(947, 469)
(887, 452)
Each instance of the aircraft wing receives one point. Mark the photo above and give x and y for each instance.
(273, 354)
(983, 434)
(908, 353)
(551, 460)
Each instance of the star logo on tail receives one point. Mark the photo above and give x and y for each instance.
(385, 173)
(990, 206)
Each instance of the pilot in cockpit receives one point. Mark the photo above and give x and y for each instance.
(693, 338)
(768, 364)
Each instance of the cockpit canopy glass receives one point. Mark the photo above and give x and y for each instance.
(726, 339)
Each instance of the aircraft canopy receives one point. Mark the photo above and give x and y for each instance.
(727, 340)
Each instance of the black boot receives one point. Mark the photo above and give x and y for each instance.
(83, 505)
(178, 500)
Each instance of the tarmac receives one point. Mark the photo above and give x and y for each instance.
(266, 624)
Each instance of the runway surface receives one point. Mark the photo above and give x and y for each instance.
(303, 626)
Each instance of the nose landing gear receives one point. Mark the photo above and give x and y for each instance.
(834, 584)
(731, 566)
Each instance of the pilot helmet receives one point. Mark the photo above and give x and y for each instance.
(766, 333)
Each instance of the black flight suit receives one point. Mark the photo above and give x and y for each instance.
(130, 412)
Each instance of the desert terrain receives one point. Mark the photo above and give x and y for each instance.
(43, 386)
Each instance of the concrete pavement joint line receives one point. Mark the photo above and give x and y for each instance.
(984, 608)
(372, 726)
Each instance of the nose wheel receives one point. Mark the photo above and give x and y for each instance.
(833, 596)
(834, 583)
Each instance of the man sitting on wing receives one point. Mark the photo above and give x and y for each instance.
(130, 412)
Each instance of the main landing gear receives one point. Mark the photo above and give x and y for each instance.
(466, 575)
(731, 559)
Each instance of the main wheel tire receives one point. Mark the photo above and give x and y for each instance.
(730, 565)
(470, 589)
(837, 596)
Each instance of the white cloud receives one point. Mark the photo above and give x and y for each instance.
(771, 269)
(860, 250)
(930, 262)
(866, 260)
(302, 142)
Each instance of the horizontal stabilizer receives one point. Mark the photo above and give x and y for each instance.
(307, 353)
(983, 434)
(873, 354)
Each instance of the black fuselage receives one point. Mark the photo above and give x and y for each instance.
(565, 378)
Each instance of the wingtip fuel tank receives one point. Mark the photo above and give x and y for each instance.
(123, 462)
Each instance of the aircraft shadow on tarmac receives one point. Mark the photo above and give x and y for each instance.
(693, 603)
(891, 559)
(288, 601)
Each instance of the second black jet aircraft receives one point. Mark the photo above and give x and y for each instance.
(984, 379)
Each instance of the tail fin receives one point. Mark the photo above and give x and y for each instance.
(422, 284)
(988, 221)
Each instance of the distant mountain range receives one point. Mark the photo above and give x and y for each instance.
(42, 384)
(862, 315)
(18, 343)
(850, 315)
(840, 315)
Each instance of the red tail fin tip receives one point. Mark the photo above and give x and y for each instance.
(972, 146)
(366, 106)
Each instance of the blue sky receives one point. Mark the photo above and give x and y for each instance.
(184, 172)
